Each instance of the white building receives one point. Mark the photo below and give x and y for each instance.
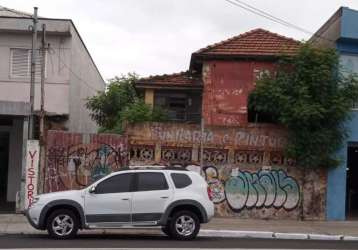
(71, 77)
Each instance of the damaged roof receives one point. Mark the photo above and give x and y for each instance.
(181, 80)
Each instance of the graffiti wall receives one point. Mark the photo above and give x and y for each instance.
(267, 193)
(75, 160)
(245, 168)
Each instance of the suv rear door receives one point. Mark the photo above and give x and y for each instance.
(151, 196)
(110, 203)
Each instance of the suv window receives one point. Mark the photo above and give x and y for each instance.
(151, 181)
(117, 184)
(181, 180)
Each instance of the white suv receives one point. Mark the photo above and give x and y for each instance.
(174, 199)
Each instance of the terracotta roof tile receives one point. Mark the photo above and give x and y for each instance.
(256, 42)
(184, 79)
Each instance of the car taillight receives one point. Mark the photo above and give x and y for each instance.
(210, 193)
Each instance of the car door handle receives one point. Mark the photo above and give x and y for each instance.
(164, 197)
(125, 199)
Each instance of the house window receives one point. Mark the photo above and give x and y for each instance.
(20, 63)
(177, 108)
(174, 104)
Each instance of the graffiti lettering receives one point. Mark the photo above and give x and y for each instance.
(230, 137)
(262, 189)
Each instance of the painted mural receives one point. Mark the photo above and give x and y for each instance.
(73, 161)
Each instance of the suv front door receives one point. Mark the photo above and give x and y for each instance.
(150, 198)
(109, 204)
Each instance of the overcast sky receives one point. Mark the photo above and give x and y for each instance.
(158, 36)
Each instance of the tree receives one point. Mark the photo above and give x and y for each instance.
(120, 104)
(312, 98)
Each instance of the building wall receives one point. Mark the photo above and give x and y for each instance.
(57, 79)
(337, 177)
(70, 70)
(349, 28)
(85, 81)
(244, 167)
(227, 85)
(329, 32)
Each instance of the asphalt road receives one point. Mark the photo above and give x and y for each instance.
(155, 242)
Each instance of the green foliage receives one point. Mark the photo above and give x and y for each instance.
(120, 104)
(310, 96)
(139, 111)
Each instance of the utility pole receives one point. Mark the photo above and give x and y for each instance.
(202, 144)
(42, 159)
(32, 80)
(43, 62)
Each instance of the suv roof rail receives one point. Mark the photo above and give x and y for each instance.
(153, 168)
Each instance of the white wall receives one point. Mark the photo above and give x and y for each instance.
(83, 83)
(57, 75)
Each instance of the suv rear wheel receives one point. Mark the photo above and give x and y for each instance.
(184, 225)
(62, 224)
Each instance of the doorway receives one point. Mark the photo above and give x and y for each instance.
(5, 206)
(352, 181)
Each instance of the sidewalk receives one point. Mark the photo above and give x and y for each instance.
(17, 224)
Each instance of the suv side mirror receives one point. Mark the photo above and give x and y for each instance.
(92, 190)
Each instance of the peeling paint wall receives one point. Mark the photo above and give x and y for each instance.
(75, 160)
(245, 167)
(227, 85)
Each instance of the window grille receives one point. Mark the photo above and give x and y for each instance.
(20, 63)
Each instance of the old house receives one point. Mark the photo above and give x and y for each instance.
(243, 156)
(70, 77)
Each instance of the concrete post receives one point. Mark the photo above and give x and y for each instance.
(21, 197)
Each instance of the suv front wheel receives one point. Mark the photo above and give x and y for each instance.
(62, 224)
(184, 225)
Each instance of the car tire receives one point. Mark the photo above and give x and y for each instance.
(62, 224)
(184, 225)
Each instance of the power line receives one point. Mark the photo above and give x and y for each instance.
(276, 18)
(241, 4)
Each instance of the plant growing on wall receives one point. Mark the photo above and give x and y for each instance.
(312, 98)
(120, 104)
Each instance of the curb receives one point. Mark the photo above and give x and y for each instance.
(207, 233)
(273, 235)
